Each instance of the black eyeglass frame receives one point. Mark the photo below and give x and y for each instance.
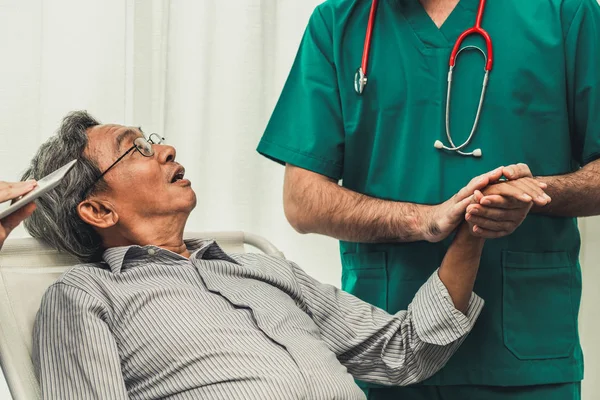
(154, 138)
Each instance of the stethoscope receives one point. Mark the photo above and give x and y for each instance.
(360, 78)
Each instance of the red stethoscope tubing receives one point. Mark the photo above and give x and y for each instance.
(476, 29)
(368, 36)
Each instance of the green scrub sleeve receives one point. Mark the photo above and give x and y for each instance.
(306, 128)
(582, 52)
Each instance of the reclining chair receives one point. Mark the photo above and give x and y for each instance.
(27, 268)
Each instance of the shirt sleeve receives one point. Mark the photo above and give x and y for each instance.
(582, 53)
(377, 347)
(74, 353)
(306, 128)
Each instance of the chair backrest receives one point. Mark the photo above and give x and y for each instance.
(27, 268)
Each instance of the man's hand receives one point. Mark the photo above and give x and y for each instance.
(502, 207)
(10, 191)
(444, 218)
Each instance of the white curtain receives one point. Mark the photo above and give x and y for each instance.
(589, 322)
(225, 66)
(204, 73)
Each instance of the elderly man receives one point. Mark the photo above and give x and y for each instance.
(150, 316)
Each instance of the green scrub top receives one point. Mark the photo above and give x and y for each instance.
(542, 108)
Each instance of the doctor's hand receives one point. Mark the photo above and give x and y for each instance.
(10, 191)
(444, 218)
(441, 220)
(531, 187)
(502, 207)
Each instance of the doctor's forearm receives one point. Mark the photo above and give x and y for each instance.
(316, 204)
(346, 215)
(573, 195)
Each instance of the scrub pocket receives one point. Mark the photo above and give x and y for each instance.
(365, 276)
(538, 317)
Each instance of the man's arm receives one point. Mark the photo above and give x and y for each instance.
(497, 212)
(411, 345)
(74, 353)
(314, 203)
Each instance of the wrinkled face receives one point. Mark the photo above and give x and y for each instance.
(139, 186)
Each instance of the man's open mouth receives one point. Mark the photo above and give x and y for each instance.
(179, 174)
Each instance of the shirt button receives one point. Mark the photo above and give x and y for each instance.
(151, 252)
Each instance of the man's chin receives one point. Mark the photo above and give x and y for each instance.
(182, 198)
(194, 203)
(187, 208)
(194, 200)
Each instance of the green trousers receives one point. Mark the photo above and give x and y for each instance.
(566, 391)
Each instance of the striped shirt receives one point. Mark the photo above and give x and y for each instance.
(150, 324)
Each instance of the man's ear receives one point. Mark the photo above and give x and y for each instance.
(97, 213)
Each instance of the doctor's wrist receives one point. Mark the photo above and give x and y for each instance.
(429, 224)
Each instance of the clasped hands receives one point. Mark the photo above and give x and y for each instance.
(492, 207)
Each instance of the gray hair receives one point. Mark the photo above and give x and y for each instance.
(56, 220)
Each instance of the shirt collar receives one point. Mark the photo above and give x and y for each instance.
(124, 257)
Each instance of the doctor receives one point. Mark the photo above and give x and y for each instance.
(541, 106)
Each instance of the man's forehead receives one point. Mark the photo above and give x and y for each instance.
(112, 134)
(111, 130)
(107, 138)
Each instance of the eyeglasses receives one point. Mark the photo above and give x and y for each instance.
(142, 145)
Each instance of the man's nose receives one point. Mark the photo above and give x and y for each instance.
(166, 153)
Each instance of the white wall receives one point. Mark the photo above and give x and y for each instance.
(207, 74)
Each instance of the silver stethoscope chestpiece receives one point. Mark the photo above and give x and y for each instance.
(360, 81)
